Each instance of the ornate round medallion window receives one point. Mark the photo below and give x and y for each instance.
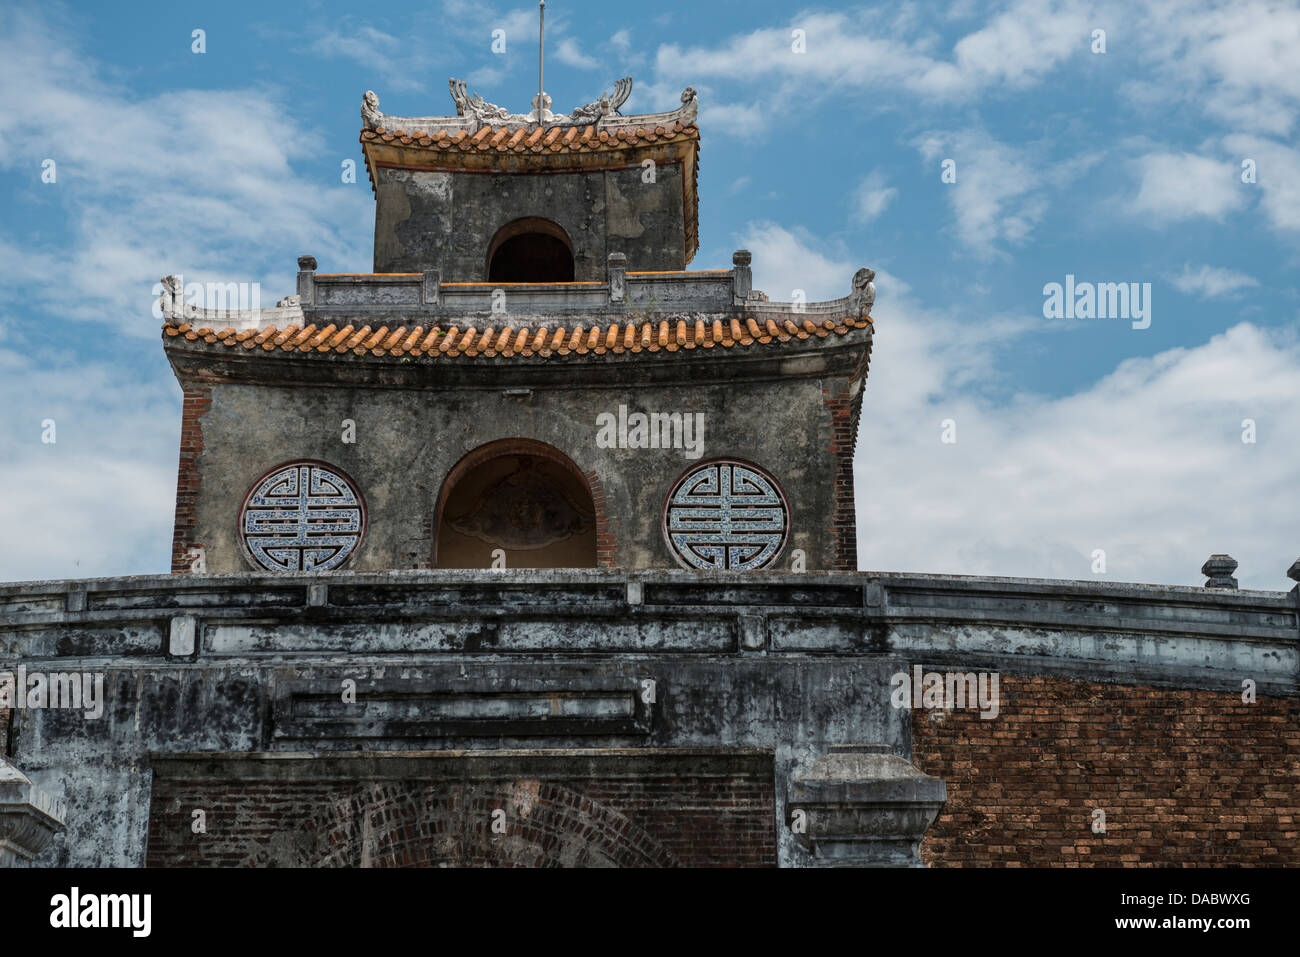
(302, 517)
(726, 515)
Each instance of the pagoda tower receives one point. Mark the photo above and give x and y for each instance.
(530, 377)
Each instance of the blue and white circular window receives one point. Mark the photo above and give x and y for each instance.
(302, 517)
(726, 515)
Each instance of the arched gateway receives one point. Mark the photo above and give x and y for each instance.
(515, 503)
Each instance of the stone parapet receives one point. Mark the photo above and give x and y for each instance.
(1170, 635)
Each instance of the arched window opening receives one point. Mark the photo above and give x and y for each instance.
(516, 504)
(530, 250)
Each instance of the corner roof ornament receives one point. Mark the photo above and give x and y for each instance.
(473, 113)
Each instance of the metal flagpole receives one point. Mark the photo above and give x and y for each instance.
(541, 54)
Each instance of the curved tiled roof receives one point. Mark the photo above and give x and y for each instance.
(555, 147)
(570, 139)
(435, 341)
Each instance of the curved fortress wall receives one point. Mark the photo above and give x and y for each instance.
(648, 697)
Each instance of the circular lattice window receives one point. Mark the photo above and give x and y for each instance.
(304, 516)
(726, 515)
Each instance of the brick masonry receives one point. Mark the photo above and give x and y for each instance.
(652, 821)
(606, 540)
(842, 525)
(1184, 777)
(197, 401)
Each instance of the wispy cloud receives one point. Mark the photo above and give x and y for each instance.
(569, 53)
(1233, 61)
(1211, 281)
(1033, 486)
(894, 50)
(995, 197)
(197, 182)
(99, 499)
(784, 261)
(872, 196)
(1180, 186)
(1277, 177)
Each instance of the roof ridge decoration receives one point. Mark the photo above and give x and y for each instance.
(863, 296)
(474, 113)
(418, 300)
(471, 338)
(174, 308)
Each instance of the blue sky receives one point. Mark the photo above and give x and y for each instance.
(1072, 435)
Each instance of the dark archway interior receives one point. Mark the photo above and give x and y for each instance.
(531, 257)
(537, 512)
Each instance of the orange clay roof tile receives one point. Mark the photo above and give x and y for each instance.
(433, 340)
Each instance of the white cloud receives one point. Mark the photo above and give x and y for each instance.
(99, 500)
(741, 120)
(872, 196)
(1146, 463)
(1180, 186)
(1235, 61)
(622, 41)
(1277, 169)
(472, 21)
(365, 45)
(486, 77)
(784, 261)
(1211, 281)
(568, 52)
(403, 63)
(1015, 48)
(1022, 44)
(996, 197)
(196, 182)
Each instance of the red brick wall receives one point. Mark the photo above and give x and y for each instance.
(1184, 777)
(704, 821)
(197, 401)
(606, 540)
(842, 527)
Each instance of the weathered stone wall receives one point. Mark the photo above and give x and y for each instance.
(408, 441)
(212, 670)
(445, 221)
(521, 809)
(1183, 777)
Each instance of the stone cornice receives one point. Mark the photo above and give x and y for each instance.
(1114, 632)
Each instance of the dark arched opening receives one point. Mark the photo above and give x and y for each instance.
(516, 503)
(530, 250)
